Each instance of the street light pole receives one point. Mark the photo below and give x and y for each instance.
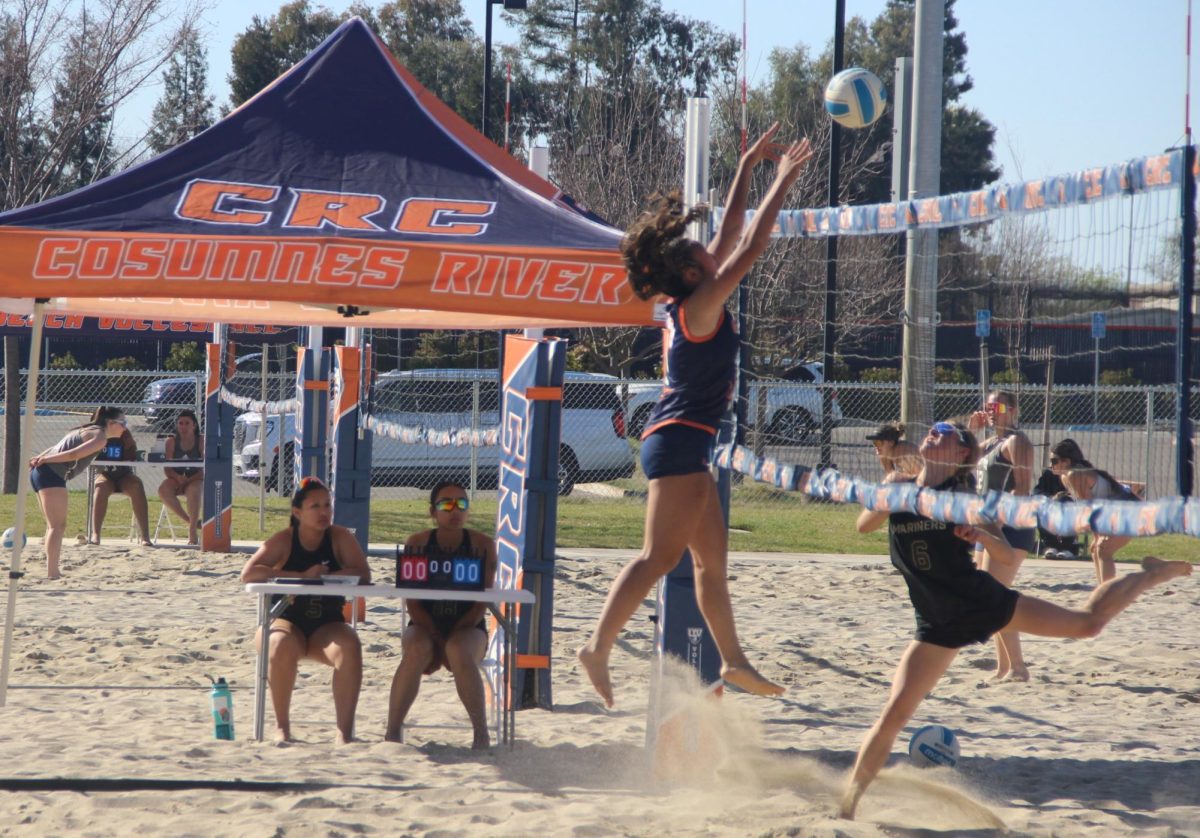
(487, 56)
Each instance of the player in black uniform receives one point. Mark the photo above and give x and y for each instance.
(311, 626)
(957, 604)
(449, 633)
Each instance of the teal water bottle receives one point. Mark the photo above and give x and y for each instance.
(222, 710)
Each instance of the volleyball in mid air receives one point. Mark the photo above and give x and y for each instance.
(855, 98)
(934, 745)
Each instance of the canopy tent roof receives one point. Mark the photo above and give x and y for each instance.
(343, 185)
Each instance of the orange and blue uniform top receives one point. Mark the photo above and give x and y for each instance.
(698, 371)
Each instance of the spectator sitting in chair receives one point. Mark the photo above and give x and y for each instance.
(185, 444)
(445, 633)
(121, 479)
(894, 452)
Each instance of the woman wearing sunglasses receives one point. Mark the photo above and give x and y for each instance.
(445, 633)
(958, 604)
(1005, 465)
(1084, 481)
(701, 346)
(312, 627)
(71, 455)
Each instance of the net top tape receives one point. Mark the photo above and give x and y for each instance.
(1087, 186)
(1127, 518)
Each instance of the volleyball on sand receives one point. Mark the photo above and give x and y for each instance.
(934, 745)
(855, 98)
(6, 540)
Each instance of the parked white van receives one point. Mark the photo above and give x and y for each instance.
(593, 446)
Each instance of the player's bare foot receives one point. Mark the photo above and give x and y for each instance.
(596, 667)
(282, 735)
(1164, 569)
(396, 735)
(849, 804)
(746, 677)
(344, 738)
(482, 740)
(1020, 674)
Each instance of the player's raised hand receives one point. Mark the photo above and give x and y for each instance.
(764, 148)
(793, 160)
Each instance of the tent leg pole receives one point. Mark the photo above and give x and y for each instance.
(14, 573)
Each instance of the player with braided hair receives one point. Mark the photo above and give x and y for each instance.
(699, 365)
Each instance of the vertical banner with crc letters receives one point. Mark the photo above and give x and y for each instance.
(527, 506)
(350, 468)
(312, 418)
(217, 516)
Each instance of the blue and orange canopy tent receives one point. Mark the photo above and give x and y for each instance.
(343, 185)
(343, 194)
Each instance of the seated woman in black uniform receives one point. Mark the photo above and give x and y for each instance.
(445, 633)
(312, 626)
(958, 604)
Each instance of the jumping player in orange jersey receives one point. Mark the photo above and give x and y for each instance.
(677, 445)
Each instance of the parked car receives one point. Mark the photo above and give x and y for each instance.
(165, 397)
(792, 407)
(593, 447)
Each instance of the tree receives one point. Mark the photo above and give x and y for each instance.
(65, 69)
(82, 106)
(185, 107)
(269, 47)
(184, 357)
(614, 77)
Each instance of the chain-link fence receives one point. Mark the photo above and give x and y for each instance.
(1129, 431)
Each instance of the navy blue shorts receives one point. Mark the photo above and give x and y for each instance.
(677, 449)
(1020, 539)
(44, 477)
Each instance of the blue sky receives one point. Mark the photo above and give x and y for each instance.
(1067, 83)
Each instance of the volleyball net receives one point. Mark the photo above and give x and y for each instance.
(1063, 290)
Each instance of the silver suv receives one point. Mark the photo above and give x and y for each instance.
(792, 407)
(593, 447)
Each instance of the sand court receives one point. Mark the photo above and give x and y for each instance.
(108, 729)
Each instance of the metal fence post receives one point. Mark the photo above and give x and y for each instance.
(475, 428)
(1149, 437)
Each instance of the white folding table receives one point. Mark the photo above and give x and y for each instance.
(493, 598)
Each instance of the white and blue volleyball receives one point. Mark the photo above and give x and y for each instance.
(934, 745)
(6, 540)
(855, 98)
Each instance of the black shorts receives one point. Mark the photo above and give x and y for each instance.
(444, 628)
(677, 449)
(44, 477)
(975, 625)
(309, 626)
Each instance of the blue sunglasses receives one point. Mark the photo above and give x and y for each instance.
(946, 428)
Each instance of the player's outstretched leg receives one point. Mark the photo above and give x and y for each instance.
(670, 520)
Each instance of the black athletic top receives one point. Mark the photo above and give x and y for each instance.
(956, 602)
(313, 609)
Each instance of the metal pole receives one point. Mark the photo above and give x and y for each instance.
(1149, 440)
(920, 294)
(487, 68)
(14, 572)
(1096, 384)
(1184, 464)
(831, 252)
(262, 440)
